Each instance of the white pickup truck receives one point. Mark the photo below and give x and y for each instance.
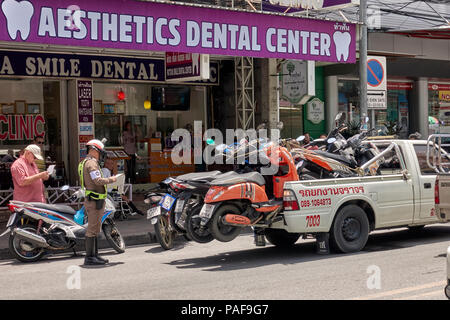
(440, 163)
(346, 210)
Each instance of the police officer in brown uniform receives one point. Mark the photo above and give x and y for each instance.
(94, 184)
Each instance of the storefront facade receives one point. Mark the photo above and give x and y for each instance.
(77, 72)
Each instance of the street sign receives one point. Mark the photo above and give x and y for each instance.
(376, 82)
(376, 100)
(376, 73)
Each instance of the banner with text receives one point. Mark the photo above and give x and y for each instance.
(154, 26)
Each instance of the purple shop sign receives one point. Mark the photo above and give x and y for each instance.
(85, 110)
(291, 6)
(154, 26)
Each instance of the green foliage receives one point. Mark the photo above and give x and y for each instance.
(392, 128)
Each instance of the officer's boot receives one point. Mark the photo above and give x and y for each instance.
(96, 252)
(90, 258)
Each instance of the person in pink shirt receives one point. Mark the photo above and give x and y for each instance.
(28, 185)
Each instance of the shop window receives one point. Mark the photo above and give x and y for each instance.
(439, 108)
(392, 120)
(30, 108)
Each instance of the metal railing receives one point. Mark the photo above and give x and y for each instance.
(437, 157)
(57, 195)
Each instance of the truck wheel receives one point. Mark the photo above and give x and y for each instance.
(350, 229)
(447, 291)
(281, 238)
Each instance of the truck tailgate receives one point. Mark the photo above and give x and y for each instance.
(443, 191)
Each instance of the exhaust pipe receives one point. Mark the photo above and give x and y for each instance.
(33, 238)
(236, 220)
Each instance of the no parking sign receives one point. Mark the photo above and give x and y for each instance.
(376, 82)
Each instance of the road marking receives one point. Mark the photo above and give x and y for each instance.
(432, 293)
(403, 290)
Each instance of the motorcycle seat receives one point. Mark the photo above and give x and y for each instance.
(196, 176)
(236, 178)
(336, 157)
(60, 208)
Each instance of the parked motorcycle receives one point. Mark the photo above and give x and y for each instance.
(38, 228)
(242, 200)
(176, 204)
(342, 157)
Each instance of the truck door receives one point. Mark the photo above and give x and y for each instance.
(426, 179)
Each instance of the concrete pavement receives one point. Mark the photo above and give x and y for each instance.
(396, 264)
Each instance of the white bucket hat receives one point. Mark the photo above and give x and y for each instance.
(35, 150)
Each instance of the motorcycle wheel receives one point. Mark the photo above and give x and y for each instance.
(220, 231)
(113, 236)
(172, 215)
(163, 233)
(193, 226)
(23, 250)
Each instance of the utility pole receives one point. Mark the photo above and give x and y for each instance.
(363, 59)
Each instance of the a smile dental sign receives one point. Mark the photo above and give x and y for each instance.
(138, 25)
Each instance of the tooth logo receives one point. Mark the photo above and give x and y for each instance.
(196, 63)
(342, 42)
(18, 16)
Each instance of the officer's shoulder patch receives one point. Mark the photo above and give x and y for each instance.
(95, 174)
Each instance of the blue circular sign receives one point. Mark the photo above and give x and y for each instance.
(375, 73)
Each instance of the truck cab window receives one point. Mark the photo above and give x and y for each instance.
(391, 163)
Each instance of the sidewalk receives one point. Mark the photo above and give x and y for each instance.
(135, 230)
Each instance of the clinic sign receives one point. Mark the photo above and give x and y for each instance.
(155, 26)
(15, 127)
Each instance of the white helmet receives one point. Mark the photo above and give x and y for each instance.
(96, 144)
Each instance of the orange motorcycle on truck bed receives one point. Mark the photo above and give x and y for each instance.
(249, 199)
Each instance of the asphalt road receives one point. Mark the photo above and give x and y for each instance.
(396, 264)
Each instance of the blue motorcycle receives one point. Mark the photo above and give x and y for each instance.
(38, 228)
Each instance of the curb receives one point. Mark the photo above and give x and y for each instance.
(132, 240)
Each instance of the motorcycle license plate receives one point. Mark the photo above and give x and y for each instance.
(11, 220)
(153, 212)
(179, 206)
(207, 211)
(167, 202)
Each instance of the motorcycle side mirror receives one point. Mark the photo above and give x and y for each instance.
(65, 188)
(104, 140)
(261, 126)
(338, 116)
(331, 140)
(301, 138)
